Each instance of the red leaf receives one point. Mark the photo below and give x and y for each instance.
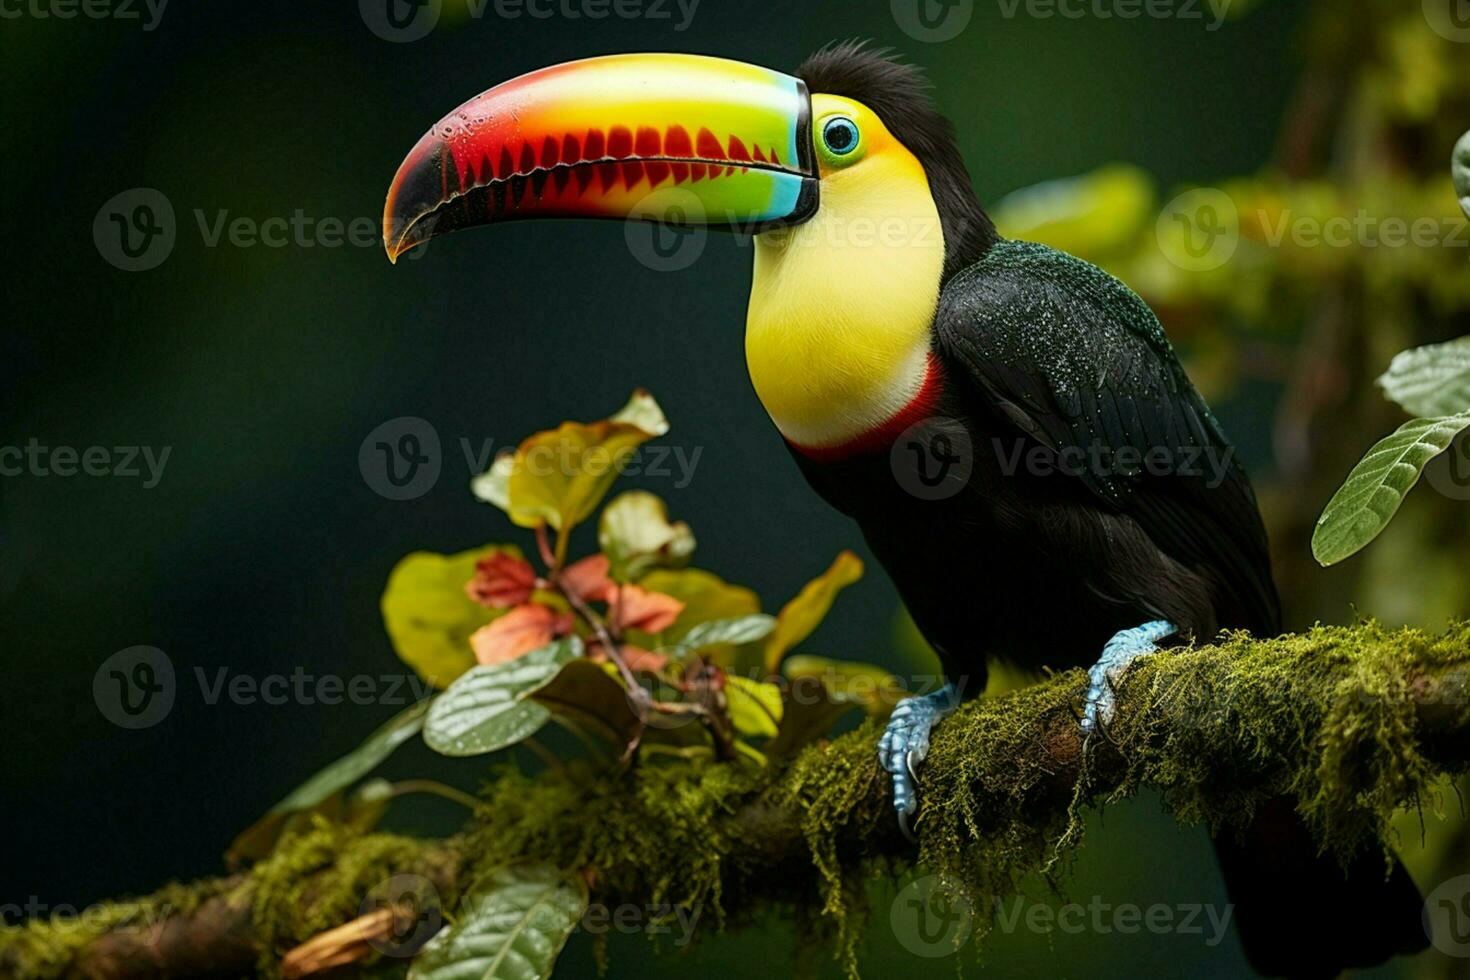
(588, 579)
(501, 581)
(637, 608)
(523, 629)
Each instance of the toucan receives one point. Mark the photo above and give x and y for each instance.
(1008, 425)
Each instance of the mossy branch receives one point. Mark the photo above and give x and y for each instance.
(1352, 723)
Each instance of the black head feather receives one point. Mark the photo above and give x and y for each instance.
(899, 94)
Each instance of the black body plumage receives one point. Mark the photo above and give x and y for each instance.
(1100, 493)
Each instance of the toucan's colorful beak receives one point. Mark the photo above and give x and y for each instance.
(678, 138)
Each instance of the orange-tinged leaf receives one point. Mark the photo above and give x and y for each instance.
(588, 578)
(501, 581)
(804, 613)
(428, 615)
(705, 595)
(637, 608)
(525, 628)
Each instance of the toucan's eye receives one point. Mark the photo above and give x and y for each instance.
(840, 136)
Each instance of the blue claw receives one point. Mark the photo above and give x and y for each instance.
(905, 743)
(1103, 676)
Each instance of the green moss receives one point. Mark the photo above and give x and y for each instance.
(1328, 717)
(41, 949)
(320, 879)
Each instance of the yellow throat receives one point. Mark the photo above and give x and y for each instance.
(837, 332)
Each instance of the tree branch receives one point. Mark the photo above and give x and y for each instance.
(1353, 724)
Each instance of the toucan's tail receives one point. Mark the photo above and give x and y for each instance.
(1300, 915)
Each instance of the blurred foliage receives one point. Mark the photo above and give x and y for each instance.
(1348, 247)
(1345, 249)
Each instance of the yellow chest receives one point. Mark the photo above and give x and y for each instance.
(841, 308)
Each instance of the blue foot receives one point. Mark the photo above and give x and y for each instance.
(905, 743)
(1103, 677)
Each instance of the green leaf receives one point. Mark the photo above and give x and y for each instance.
(260, 838)
(490, 708)
(636, 535)
(847, 681)
(558, 477)
(807, 714)
(741, 629)
(493, 485)
(755, 706)
(1432, 381)
(587, 695)
(643, 412)
(429, 617)
(1096, 213)
(514, 924)
(805, 612)
(1375, 488)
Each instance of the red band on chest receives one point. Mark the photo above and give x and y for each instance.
(881, 438)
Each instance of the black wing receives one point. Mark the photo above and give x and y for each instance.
(1078, 362)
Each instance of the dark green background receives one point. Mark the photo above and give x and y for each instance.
(263, 549)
